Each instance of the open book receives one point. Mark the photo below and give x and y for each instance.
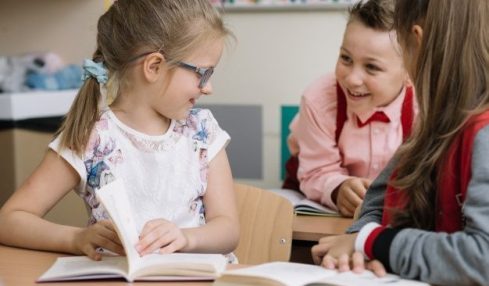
(175, 266)
(298, 274)
(304, 206)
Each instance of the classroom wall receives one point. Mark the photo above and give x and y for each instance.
(276, 55)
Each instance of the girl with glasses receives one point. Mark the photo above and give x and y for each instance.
(153, 62)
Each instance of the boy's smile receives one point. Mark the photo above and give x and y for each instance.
(370, 68)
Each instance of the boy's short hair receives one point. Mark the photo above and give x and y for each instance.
(375, 14)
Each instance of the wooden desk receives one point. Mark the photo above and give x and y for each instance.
(312, 228)
(22, 267)
(307, 230)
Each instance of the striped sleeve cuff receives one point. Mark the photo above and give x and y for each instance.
(366, 237)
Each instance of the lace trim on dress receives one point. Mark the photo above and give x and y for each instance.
(150, 146)
(147, 143)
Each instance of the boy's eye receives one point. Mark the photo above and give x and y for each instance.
(371, 67)
(345, 59)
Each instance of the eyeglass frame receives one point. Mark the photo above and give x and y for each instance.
(204, 73)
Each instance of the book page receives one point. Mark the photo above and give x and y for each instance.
(286, 273)
(293, 196)
(304, 206)
(307, 206)
(366, 278)
(114, 198)
(82, 267)
(182, 264)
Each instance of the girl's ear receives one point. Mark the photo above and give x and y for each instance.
(418, 34)
(153, 66)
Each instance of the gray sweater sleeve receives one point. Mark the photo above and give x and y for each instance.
(459, 258)
(373, 203)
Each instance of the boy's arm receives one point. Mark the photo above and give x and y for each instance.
(373, 204)
(320, 171)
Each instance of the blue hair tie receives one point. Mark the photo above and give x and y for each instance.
(95, 70)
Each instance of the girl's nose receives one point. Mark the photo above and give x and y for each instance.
(207, 88)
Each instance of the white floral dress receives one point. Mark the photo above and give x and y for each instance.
(165, 176)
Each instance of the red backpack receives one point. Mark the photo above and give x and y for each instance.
(407, 115)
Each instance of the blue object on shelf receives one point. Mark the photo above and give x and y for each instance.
(68, 77)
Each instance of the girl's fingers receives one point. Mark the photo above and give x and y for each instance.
(91, 252)
(319, 250)
(377, 267)
(102, 241)
(329, 262)
(174, 246)
(358, 262)
(149, 227)
(344, 263)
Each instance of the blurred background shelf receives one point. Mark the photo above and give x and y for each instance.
(35, 104)
(277, 7)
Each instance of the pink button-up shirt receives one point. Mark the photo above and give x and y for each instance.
(360, 152)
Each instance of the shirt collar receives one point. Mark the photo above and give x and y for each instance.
(392, 110)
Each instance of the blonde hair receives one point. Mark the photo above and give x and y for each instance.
(451, 77)
(176, 28)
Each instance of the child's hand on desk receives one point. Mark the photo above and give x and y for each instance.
(101, 234)
(161, 235)
(338, 252)
(333, 251)
(350, 194)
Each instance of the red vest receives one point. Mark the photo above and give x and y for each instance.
(453, 180)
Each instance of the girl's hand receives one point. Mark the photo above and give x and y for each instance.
(350, 195)
(101, 234)
(161, 235)
(337, 252)
(334, 251)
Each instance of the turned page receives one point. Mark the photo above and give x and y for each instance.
(114, 199)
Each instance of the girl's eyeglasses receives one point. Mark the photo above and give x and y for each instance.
(204, 73)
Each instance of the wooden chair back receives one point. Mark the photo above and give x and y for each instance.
(266, 225)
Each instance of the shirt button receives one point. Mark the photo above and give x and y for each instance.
(376, 166)
(376, 131)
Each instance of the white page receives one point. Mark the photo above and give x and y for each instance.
(189, 264)
(293, 196)
(114, 198)
(82, 267)
(287, 273)
(311, 206)
(367, 278)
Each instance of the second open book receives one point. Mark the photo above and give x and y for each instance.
(176, 266)
(297, 274)
(304, 206)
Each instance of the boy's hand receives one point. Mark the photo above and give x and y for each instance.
(350, 195)
(161, 235)
(101, 234)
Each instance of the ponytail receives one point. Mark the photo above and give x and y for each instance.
(84, 112)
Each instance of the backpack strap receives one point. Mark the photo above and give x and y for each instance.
(340, 111)
(407, 113)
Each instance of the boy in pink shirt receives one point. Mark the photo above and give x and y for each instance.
(351, 122)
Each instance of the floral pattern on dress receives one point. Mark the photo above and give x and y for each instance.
(100, 155)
